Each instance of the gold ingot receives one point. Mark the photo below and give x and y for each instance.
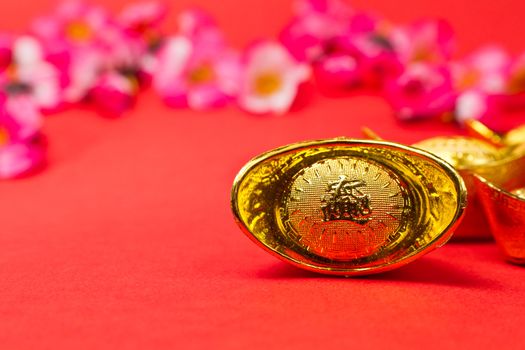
(515, 136)
(503, 167)
(512, 138)
(468, 156)
(348, 207)
(505, 211)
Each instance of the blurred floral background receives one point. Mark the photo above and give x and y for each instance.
(84, 55)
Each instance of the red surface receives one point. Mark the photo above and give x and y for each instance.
(126, 239)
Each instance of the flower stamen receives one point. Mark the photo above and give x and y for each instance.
(79, 31)
(202, 74)
(4, 136)
(267, 83)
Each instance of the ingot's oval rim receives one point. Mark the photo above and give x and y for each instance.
(437, 242)
(498, 189)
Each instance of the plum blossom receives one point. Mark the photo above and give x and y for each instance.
(21, 149)
(196, 68)
(29, 74)
(361, 56)
(114, 93)
(424, 88)
(140, 36)
(74, 23)
(142, 18)
(316, 23)
(514, 99)
(422, 91)
(516, 76)
(481, 81)
(28, 84)
(73, 38)
(430, 41)
(270, 79)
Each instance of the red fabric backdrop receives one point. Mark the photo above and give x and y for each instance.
(126, 239)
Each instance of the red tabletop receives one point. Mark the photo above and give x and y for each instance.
(126, 239)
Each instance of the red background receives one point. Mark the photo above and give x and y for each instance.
(126, 239)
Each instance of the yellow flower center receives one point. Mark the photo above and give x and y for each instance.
(267, 83)
(423, 54)
(11, 72)
(4, 136)
(79, 31)
(517, 82)
(468, 80)
(202, 74)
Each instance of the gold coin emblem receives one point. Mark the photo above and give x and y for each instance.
(344, 208)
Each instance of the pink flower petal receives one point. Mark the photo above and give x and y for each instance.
(172, 60)
(205, 97)
(18, 159)
(271, 78)
(486, 70)
(316, 22)
(429, 41)
(142, 16)
(114, 94)
(421, 91)
(23, 110)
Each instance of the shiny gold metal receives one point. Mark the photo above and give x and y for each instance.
(501, 166)
(505, 211)
(515, 136)
(348, 207)
(460, 151)
(480, 130)
(370, 134)
(512, 138)
(466, 154)
(520, 192)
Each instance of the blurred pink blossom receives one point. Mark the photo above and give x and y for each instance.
(362, 56)
(139, 36)
(31, 75)
(315, 24)
(516, 78)
(28, 84)
(74, 24)
(142, 18)
(270, 78)
(424, 41)
(197, 68)
(73, 38)
(20, 147)
(515, 86)
(481, 82)
(114, 93)
(423, 90)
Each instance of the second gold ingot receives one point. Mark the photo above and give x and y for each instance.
(468, 156)
(503, 167)
(505, 211)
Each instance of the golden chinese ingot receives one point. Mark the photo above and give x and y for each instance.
(468, 156)
(505, 211)
(513, 137)
(348, 207)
